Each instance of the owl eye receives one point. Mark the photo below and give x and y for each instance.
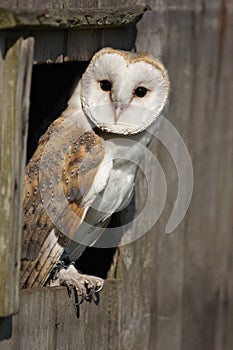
(105, 85)
(141, 91)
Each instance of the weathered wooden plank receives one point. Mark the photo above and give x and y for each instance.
(222, 145)
(70, 18)
(168, 262)
(192, 4)
(15, 71)
(65, 4)
(47, 320)
(200, 267)
(44, 51)
(83, 44)
(102, 3)
(174, 291)
(195, 310)
(180, 5)
(6, 3)
(73, 45)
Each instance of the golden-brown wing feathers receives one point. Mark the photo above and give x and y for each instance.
(59, 175)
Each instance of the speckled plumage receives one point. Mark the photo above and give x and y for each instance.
(86, 157)
(84, 153)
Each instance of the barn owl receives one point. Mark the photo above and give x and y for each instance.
(79, 172)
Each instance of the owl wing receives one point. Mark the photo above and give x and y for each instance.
(59, 187)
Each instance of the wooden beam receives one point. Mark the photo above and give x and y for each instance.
(15, 72)
(70, 18)
(47, 320)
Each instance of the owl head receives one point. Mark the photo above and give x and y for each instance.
(124, 92)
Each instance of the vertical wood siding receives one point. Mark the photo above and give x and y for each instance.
(15, 70)
(165, 291)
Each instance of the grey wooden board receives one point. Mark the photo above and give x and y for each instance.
(172, 291)
(71, 17)
(72, 45)
(83, 44)
(66, 4)
(170, 4)
(54, 324)
(192, 306)
(15, 71)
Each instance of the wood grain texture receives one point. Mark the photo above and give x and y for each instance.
(99, 24)
(84, 43)
(75, 45)
(171, 292)
(15, 70)
(71, 18)
(66, 4)
(55, 325)
(193, 296)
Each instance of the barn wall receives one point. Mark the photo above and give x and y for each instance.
(65, 25)
(191, 307)
(166, 291)
(15, 71)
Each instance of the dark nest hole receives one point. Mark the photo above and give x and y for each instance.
(52, 86)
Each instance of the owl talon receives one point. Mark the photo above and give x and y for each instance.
(68, 287)
(99, 289)
(85, 286)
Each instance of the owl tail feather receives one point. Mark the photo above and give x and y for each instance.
(35, 273)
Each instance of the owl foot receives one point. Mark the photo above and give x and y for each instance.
(84, 286)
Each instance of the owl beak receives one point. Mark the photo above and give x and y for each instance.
(118, 109)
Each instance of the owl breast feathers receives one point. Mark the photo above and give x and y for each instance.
(84, 167)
